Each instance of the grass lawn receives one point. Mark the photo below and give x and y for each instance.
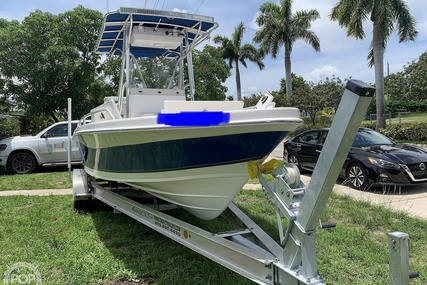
(44, 180)
(404, 118)
(95, 248)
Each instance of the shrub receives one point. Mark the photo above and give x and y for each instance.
(415, 132)
(406, 131)
(9, 128)
(409, 105)
(322, 121)
(371, 125)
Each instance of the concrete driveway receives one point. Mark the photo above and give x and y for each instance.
(410, 199)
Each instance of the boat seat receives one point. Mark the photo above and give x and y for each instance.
(106, 111)
(178, 106)
(142, 101)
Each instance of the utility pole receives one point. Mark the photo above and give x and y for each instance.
(388, 69)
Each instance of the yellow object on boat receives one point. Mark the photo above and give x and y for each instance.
(254, 167)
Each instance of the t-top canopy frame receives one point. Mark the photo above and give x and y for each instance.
(193, 28)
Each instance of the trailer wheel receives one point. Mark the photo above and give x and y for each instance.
(89, 206)
(81, 206)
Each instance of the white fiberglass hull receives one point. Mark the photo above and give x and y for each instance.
(204, 192)
(200, 168)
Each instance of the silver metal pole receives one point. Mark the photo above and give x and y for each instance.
(126, 42)
(69, 139)
(191, 74)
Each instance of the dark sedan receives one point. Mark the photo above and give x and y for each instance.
(373, 159)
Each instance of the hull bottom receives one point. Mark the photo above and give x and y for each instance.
(204, 192)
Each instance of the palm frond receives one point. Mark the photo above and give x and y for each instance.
(405, 23)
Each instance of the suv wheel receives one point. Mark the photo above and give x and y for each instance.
(22, 163)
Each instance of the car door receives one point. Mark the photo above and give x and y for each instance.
(53, 145)
(308, 152)
(319, 145)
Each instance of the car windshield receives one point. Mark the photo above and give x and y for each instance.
(366, 138)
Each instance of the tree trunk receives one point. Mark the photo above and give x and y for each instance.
(238, 84)
(288, 77)
(378, 52)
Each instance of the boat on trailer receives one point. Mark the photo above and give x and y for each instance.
(197, 155)
(155, 137)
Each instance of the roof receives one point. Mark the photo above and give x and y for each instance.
(197, 27)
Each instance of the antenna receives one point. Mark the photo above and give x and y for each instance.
(199, 6)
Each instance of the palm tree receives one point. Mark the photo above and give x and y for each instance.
(233, 50)
(279, 27)
(386, 16)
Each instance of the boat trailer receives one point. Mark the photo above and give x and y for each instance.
(247, 249)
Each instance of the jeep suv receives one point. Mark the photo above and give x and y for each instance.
(22, 154)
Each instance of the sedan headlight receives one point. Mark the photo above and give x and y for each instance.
(3, 146)
(383, 163)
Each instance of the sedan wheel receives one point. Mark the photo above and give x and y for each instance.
(292, 158)
(357, 177)
(22, 163)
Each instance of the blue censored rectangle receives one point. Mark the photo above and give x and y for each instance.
(193, 119)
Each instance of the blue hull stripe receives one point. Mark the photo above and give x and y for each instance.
(184, 153)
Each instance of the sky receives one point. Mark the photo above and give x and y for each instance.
(340, 56)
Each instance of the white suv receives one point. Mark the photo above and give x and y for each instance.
(22, 154)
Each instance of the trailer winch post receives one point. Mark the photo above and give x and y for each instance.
(300, 250)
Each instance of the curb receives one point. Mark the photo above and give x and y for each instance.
(41, 192)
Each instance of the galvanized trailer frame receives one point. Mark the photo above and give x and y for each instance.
(247, 249)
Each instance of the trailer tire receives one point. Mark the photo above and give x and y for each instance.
(81, 206)
(90, 205)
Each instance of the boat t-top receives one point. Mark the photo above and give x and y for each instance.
(155, 136)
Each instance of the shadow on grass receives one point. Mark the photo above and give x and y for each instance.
(152, 257)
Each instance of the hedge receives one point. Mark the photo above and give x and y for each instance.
(9, 128)
(406, 131)
(414, 132)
